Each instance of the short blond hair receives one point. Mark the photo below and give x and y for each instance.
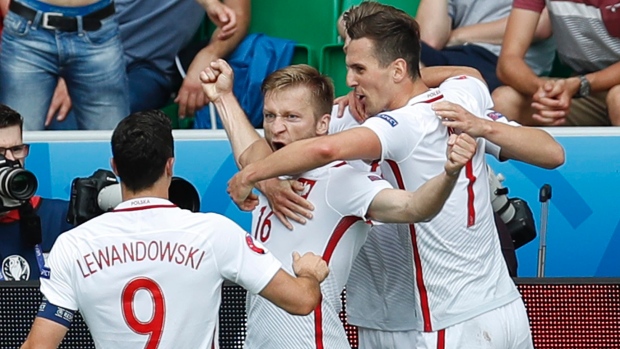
(319, 85)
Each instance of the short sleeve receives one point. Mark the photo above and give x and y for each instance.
(492, 115)
(58, 287)
(351, 191)
(397, 139)
(242, 260)
(532, 5)
(343, 123)
(469, 92)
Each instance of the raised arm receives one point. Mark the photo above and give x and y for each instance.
(399, 206)
(45, 334)
(304, 155)
(527, 144)
(300, 295)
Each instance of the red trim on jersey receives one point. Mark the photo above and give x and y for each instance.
(441, 339)
(143, 208)
(434, 99)
(340, 164)
(471, 209)
(341, 228)
(426, 311)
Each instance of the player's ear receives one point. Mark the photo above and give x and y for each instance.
(399, 70)
(169, 166)
(322, 124)
(113, 166)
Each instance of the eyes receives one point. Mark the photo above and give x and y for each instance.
(288, 117)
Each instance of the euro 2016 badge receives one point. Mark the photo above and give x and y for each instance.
(15, 268)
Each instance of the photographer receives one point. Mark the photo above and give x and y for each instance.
(29, 225)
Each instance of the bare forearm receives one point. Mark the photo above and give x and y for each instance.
(514, 72)
(308, 289)
(241, 133)
(490, 33)
(434, 76)
(605, 79)
(435, 24)
(531, 145)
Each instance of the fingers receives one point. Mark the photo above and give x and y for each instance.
(452, 139)
(181, 100)
(296, 256)
(282, 218)
(342, 102)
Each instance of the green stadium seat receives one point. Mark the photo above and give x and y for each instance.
(312, 23)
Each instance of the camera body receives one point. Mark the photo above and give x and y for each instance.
(514, 212)
(101, 192)
(17, 185)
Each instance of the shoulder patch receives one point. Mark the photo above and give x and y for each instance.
(374, 178)
(495, 115)
(388, 118)
(254, 246)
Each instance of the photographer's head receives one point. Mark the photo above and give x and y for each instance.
(11, 144)
(143, 152)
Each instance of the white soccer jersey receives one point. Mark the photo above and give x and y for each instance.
(456, 260)
(149, 274)
(341, 195)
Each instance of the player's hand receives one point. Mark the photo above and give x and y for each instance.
(191, 97)
(461, 149)
(240, 191)
(356, 108)
(61, 103)
(310, 265)
(455, 116)
(217, 80)
(285, 201)
(223, 17)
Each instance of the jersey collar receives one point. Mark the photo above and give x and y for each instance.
(144, 203)
(430, 96)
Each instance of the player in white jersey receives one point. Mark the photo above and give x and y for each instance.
(149, 274)
(459, 301)
(297, 105)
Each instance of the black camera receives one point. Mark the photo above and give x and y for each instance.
(101, 192)
(17, 185)
(514, 212)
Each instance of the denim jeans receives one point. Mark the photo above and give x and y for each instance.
(149, 88)
(91, 62)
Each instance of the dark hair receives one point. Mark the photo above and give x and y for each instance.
(320, 86)
(9, 117)
(142, 143)
(394, 34)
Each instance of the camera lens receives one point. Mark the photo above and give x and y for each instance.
(17, 183)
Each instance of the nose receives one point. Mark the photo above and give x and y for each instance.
(278, 125)
(8, 154)
(351, 81)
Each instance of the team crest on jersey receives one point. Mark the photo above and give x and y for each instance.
(254, 245)
(495, 115)
(374, 178)
(15, 268)
(388, 118)
(308, 185)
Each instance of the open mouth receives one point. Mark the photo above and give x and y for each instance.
(277, 145)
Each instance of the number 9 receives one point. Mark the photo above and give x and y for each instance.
(154, 326)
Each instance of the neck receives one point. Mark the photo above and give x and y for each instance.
(407, 90)
(158, 190)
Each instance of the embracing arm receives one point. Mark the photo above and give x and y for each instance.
(45, 334)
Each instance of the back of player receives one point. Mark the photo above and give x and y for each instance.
(459, 270)
(341, 196)
(156, 281)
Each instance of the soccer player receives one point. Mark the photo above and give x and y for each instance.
(149, 274)
(298, 102)
(459, 290)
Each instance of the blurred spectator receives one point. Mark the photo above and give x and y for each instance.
(587, 34)
(23, 244)
(470, 33)
(153, 32)
(78, 40)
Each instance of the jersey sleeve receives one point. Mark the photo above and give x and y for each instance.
(471, 93)
(242, 260)
(343, 123)
(350, 191)
(56, 287)
(492, 115)
(397, 139)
